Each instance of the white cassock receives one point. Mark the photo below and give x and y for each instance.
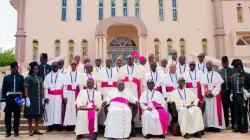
(132, 77)
(193, 82)
(190, 120)
(72, 86)
(63, 71)
(151, 123)
(180, 69)
(96, 70)
(158, 79)
(170, 82)
(201, 66)
(82, 120)
(147, 65)
(162, 70)
(118, 122)
(86, 76)
(144, 70)
(53, 85)
(214, 115)
(107, 79)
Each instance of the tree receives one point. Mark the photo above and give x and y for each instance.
(6, 57)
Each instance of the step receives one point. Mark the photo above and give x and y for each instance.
(22, 121)
(23, 127)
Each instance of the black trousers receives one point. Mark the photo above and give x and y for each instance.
(12, 106)
(226, 105)
(240, 112)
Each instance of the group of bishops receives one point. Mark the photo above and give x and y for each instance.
(136, 94)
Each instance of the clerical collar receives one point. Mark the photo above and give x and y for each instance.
(172, 73)
(154, 72)
(209, 71)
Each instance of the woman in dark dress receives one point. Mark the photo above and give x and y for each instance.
(34, 98)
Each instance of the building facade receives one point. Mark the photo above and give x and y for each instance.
(117, 27)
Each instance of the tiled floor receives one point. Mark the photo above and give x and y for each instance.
(224, 135)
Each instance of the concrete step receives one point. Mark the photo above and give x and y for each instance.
(22, 121)
(22, 127)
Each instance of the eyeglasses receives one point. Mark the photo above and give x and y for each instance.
(73, 64)
(98, 60)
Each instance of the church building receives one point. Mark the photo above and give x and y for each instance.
(117, 27)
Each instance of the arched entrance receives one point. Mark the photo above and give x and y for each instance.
(120, 36)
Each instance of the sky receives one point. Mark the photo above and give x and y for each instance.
(8, 24)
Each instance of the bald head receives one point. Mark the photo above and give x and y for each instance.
(108, 62)
(192, 65)
(164, 62)
(182, 59)
(209, 65)
(86, 60)
(151, 57)
(98, 61)
(172, 68)
(120, 85)
(89, 68)
(130, 60)
(119, 62)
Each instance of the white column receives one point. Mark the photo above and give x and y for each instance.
(140, 45)
(104, 48)
(100, 47)
(145, 46)
(96, 47)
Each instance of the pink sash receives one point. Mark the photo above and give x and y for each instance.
(91, 119)
(106, 84)
(169, 88)
(190, 85)
(120, 100)
(163, 116)
(159, 89)
(56, 92)
(77, 90)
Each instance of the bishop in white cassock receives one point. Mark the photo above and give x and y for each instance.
(193, 80)
(118, 64)
(61, 68)
(151, 58)
(214, 115)
(174, 58)
(201, 64)
(119, 117)
(189, 115)
(182, 67)
(98, 66)
(107, 78)
(157, 77)
(88, 74)
(163, 67)
(80, 66)
(132, 76)
(72, 85)
(53, 91)
(88, 104)
(154, 116)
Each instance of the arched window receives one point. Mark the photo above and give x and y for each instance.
(100, 9)
(244, 41)
(157, 47)
(174, 5)
(170, 47)
(64, 10)
(239, 12)
(161, 10)
(71, 50)
(84, 48)
(182, 46)
(125, 7)
(57, 48)
(113, 10)
(137, 9)
(79, 10)
(35, 50)
(204, 46)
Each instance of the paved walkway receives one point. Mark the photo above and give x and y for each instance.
(224, 135)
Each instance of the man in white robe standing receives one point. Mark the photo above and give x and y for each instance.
(193, 80)
(163, 67)
(88, 104)
(132, 75)
(157, 77)
(201, 64)
(72, 86)
(88, 74)
(118, 64)
(154, 116)
(53, 91)
(189, 115)
(151, 58)
(61, 67)
(79, 64)
(143, 62)
(98, 65)
(107, 78)
(119, 117)
(174, 58)
(214, 115)
(182, 67)
(136, 56)
(86, 60)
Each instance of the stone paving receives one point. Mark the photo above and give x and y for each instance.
(224, 135)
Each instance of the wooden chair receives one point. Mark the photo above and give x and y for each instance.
(175, 128)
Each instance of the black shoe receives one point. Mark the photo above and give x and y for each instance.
(59, 128)
(38, 133)
(7, 135)
(50, 128)
(94, 137)
(198, 135)
(202, 132)
(236, 130)
(186, 136)
(244, 131)
(148, 136)
(162, 136)
(216, 130)
(209, 129)
(16, 134)
(78, 137)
